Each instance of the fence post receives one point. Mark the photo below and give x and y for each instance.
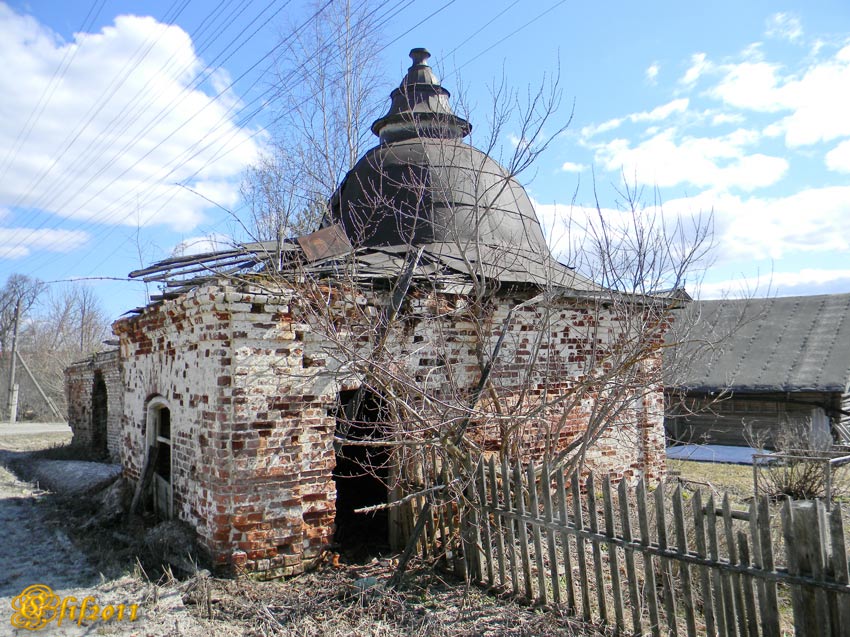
(807, 551)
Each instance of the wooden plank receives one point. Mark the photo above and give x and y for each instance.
(704, 577)
(684, 571)
(666, 564)
(430, 475)
(755, 559)
(561, 492)
(728, 531)
(534, 506)
(724, 599)
(497, 523)
(457, 563)
(428, 535)
(631, 572)
(648, 560)
(840, 605)
(548, 515)
(788, 525)
(769, 604)
(578, 522)
(440, 509)
(147, 476)
(592, 512)
(509, 525)
(613, 561)
(747, 586)
(485, 523)
(808, 550)
(819, 567)
(472, 536)
(523, 533)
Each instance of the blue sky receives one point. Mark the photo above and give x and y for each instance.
(736, 108)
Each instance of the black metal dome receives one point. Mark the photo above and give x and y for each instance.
(424, 185)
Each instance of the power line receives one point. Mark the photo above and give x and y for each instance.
(184, 93)
(184, 160)
(140, 53)
(263, 103)
(508, 36)
(126, 115)
(122, 76)
(47, 93)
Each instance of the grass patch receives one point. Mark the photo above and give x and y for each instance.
(715, 477)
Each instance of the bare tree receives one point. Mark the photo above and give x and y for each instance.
(327, 91)
(461, 332)
(430, 301)
(20, 291)
(70, 325)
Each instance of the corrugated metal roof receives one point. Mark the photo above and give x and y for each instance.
(799, 343)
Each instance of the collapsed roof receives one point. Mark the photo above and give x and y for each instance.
(422, 191)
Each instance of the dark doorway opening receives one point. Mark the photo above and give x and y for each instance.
(99, 413)
(162, 488)
(361, 474)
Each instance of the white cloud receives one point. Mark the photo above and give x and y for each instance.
(665, 159)
(16, 243)
(807, 224)
(719, 119)
(118, 131)
(750, 85)
(580, 235)
(699, 66)
(838, 159)
(662, 112)
(784, 26)
(816, 96)
(651, 73)
(657, 114)
(604, 127)
(811, 221)
(803, 282)
(572, 167)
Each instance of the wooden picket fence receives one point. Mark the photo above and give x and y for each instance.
(642, 563)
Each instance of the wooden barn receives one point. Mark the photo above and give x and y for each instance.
(744, 369)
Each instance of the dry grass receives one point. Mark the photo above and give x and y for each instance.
(353, 600)
(350, 600)
(716, 478)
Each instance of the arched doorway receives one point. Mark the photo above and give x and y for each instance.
(159, 455)
(99, 413)
(361, 473)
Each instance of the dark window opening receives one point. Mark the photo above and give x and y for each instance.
(99, 413)
(163, 462)
(361, 475)
(164, 430)
(163, 442)
(160, 458)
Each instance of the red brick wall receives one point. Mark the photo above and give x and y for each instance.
(250, 384)
(79, 382)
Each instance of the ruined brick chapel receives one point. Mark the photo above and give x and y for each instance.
(240, 397)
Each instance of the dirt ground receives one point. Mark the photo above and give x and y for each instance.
(44, 543)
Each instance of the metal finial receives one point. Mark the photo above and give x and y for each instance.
(420, 56)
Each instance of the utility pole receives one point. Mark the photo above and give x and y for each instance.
(13, 386)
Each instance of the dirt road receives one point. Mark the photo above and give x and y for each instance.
(35, 549)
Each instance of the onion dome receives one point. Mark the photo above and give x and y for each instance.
(424, 186)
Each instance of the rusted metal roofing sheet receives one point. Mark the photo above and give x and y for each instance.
(799, 343)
